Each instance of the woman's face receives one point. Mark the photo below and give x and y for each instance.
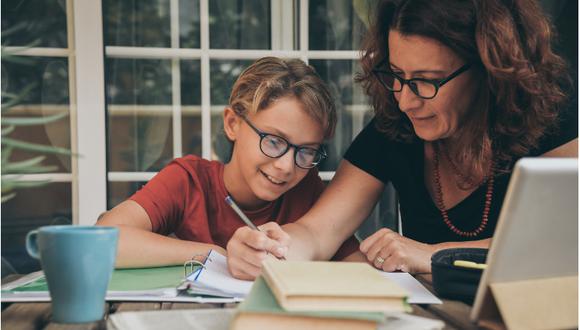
(413, 56)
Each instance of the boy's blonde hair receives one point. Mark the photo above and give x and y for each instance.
(270, 79)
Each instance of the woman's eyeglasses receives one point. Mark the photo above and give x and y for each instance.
(424, 88)
(275, 146)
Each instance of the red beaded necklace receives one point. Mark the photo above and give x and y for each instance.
(441, 205)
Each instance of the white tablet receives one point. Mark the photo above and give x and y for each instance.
(537, 231)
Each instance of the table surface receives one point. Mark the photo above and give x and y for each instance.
(24, 316)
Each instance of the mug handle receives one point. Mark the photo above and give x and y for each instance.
(32, 244)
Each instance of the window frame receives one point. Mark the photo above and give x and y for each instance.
(86, 52)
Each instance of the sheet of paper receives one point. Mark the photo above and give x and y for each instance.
(403, 321)
(216, 279)
(219, 319)
(10, 296)
(196, 319)
(418, 293)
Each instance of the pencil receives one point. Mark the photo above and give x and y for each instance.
(230, 201)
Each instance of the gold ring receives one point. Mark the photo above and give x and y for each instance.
(379, 260)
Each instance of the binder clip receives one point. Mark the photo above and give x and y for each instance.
(189, 266)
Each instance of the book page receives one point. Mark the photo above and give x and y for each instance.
(215, 277)
(418, 294)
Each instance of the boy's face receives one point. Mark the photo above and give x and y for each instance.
(254, 178)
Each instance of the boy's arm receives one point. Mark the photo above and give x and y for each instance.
(140, 247)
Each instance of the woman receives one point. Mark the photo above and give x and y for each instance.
(461, 90)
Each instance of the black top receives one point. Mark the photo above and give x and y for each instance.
(403, 164)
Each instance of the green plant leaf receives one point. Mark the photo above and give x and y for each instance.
(31, 165)
(16, 99)
(7, 130)
(7, 197)
(15, 183)
(24, 121)
(6, 153)
(16, 144)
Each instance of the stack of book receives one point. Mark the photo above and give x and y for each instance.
(321, 295)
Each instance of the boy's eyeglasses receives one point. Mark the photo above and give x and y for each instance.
(424, 88)
(275, 146)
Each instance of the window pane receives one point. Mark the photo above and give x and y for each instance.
(139, 113)
(335, 24)
(351, 106)
(189, 24)
(42, 84)
(221, 146)
(191, 107)
(131, 81)
(53, 206)
(144, 23)
(237, 24)
(42, 23)
(120, 191)
(190, 82)
(223, 74)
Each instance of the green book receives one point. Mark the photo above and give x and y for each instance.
(261, 309)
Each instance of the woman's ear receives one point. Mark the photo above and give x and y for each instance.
(231, 123)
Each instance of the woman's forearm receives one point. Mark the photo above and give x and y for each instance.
(303, 244)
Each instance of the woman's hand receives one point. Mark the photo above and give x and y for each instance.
(389, 251)
(248, 248)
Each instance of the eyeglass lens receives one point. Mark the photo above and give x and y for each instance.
(274, 146)
(420, 87)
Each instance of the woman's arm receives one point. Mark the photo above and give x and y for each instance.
(346, 202)
(140, 247)
(569, 149)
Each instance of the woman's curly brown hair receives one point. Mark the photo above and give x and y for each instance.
(509, 44)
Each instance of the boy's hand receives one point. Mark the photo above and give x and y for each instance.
(248, 248)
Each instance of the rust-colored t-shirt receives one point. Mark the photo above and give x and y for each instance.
(187, 198)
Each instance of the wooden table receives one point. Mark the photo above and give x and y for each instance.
(25, 316)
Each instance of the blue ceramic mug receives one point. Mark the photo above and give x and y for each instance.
(78, 262)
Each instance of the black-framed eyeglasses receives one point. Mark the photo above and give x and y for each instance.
(275, 146)
(424, 88)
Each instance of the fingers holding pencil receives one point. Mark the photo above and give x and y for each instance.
(248, 248)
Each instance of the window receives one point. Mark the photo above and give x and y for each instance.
(170, 66)
(156, 92)
(41, 70)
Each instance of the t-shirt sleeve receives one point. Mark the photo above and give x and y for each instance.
(368, 152)
(347, 248)
(163, 198)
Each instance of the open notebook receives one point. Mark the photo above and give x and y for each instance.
(214, 279)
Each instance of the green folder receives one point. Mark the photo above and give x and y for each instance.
(131, 279)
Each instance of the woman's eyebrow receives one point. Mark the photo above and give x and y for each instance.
(394, 67)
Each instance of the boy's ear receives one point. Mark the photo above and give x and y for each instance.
(231, 123)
